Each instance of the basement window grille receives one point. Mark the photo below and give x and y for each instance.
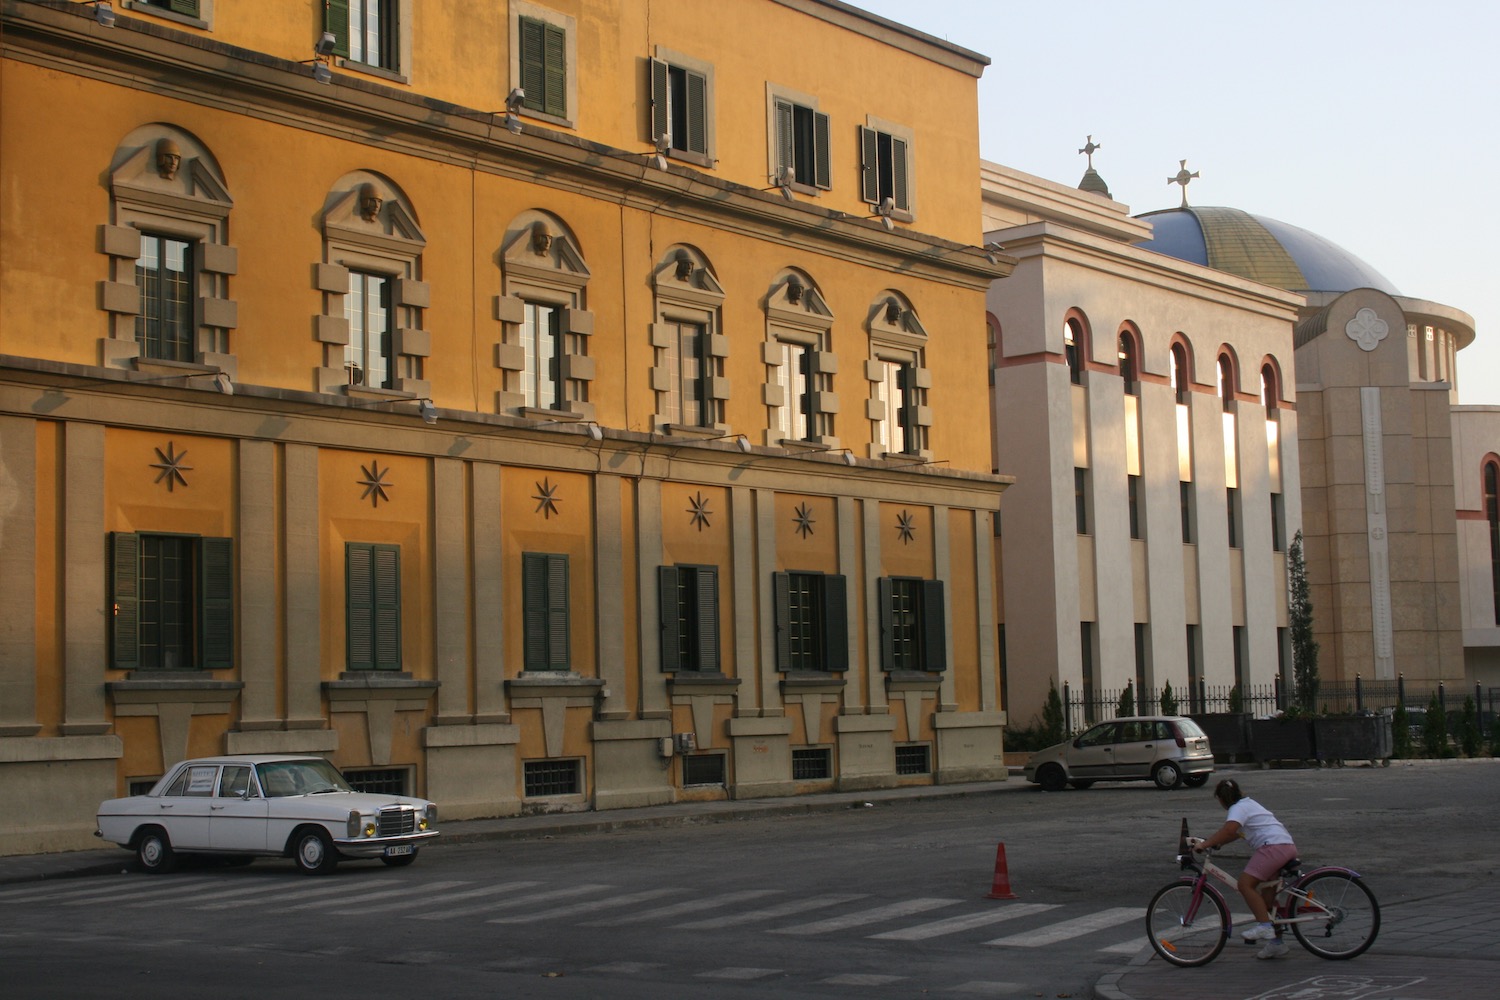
(140, 786)
(914, 758)
(812, 765)
(703, 769)
(378, 780)
(552, 777)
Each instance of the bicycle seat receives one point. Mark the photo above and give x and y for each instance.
(1291, 867)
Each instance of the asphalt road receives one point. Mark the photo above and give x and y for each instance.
(887, 901)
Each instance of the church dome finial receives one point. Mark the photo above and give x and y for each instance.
(1092, 182)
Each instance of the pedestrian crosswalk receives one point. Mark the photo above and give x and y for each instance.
(1111, 930)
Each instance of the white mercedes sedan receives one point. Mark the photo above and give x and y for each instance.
(266, 806)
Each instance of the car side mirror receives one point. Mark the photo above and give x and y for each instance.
(1078, 743)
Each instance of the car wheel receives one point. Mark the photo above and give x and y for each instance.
(400, 860)
(1195, 780)
(1052, 778)
(1082, 783)
(153, 850)
(313, 852)
(1166, 775)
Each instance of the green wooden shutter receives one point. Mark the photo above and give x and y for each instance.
(544, 599)
(336, 21)
(557, 613)
(669, 616)
(899, 193)
(186, 7)
(697, 113)
(885, 593)
(386, 576)
(820, 150)
(125, 590)
(869, 165)
(786, 148)
(934, 627)
(660, 124)
(533, 62)
(216, 603)
(835, 623)
(781, 585)
(555, 49)
(708, 617)
(359, 600)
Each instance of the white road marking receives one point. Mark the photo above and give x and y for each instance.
(505, 904)
(691, 906)
(771, 912)
(964, 922)
(412, 893)
(1077, 927)
(902, 909)
(427, 899)
(597, 904)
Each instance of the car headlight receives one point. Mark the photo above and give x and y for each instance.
(370, 829)
(353, 825)
(429, 817)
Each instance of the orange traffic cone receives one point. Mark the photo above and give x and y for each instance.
(1001, 887)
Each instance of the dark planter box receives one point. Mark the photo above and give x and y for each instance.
(1282, 739)
(1353, 737)
(1228, 734)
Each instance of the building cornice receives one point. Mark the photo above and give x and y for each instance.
(137, 54)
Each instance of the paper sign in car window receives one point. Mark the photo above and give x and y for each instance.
(201, 781)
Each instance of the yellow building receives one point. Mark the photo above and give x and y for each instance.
(532, 407)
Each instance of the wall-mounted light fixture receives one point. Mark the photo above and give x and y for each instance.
(103, 12)
(514, 102)
(592, 429)
(740, 441)
(884, 211)
(663, 147)
(992, 252)
(322, 52)
(427, 411)
(782, 181)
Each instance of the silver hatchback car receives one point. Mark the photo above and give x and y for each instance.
(1167, 749)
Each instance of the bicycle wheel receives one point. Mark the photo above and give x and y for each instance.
(1353, 919)
(1185, 932)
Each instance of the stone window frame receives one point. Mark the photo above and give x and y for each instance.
(897, 336)
(202, 17)
(686, 291)
(781, 145)
(903, 176)
(187, 200)
(678, 147)
(796, 313)
(541, 262)
(569, 26)
(401, 45)
(388, 242)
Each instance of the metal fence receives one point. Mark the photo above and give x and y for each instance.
(1083, 707)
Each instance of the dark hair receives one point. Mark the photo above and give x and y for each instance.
(1228, 792)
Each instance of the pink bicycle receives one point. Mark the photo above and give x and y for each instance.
(1330, 910)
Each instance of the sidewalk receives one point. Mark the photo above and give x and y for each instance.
(1427, 950)
(70, 864)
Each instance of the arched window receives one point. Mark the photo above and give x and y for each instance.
(1073, 350)
(898, 377)
(544, 358)
(1269, 392)
(687, 342)
(1226, 380)
(1130, 367)
(1492, 519)
(1181, 380)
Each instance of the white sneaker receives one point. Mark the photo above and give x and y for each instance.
(1273, 948)
(1260, 932)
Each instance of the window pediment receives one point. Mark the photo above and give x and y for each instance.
(166, 172)
(543, 251)
(795, 301)
(370, 214)
(892, 318)
(683, 276)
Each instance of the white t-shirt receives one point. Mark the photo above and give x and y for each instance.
(1257, 825)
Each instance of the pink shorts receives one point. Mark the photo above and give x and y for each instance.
(1268, 860)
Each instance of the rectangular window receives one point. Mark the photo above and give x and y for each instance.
(187, 8)
(164, 274)
(913, 627)
(812, 764)
(689, 618)
(1189, 513)
(894, 396)
(1142, 655)
(1241, 658)
(1004, 666)
(367, 307)
(541, 778)
(365, 31)
(1232, 508)
(544, 66)
(801, 135)
(703, 769)
(379, 780)
(1081, 499)
(372, 606)
(1194, 663)
(689, 399)
(1278, 523)
(1134, 492)
(812, 623)
(1086, 668)
(679, 108)
(172, 602)
(883, 169)
(913, 758)
(541, 337)
(544, 598)
(794, 417)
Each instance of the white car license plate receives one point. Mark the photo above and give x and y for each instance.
(398, 850)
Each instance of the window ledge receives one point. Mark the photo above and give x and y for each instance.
(793, 444)
(553, 684)
(370, 69)
(366, 392)
(811, 683)
(689, 682)
(912, 680)
(156, 688)
(164, 14)
(364, 685)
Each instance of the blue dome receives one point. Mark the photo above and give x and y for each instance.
(1260, 249)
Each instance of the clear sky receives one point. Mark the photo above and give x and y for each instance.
(1373, 123)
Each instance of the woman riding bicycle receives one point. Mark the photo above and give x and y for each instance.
(1273, 848)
